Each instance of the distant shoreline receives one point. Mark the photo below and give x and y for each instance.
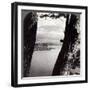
(45, 46)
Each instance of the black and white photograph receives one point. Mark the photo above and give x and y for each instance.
(51, 44)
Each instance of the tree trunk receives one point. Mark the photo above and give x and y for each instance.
(30, 27)
(69, 39)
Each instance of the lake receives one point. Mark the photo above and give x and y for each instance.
(43, 62)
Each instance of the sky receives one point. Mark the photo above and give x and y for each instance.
(50, 30)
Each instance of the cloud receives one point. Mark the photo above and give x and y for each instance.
(45, 36)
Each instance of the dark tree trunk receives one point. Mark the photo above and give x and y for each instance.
(69, 39)
(30, 27)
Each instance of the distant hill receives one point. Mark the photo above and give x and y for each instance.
(45, 46)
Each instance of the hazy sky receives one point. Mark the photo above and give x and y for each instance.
(50, 30)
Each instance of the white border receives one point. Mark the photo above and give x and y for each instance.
(31, 80)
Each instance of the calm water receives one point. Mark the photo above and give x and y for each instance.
(43, 62)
